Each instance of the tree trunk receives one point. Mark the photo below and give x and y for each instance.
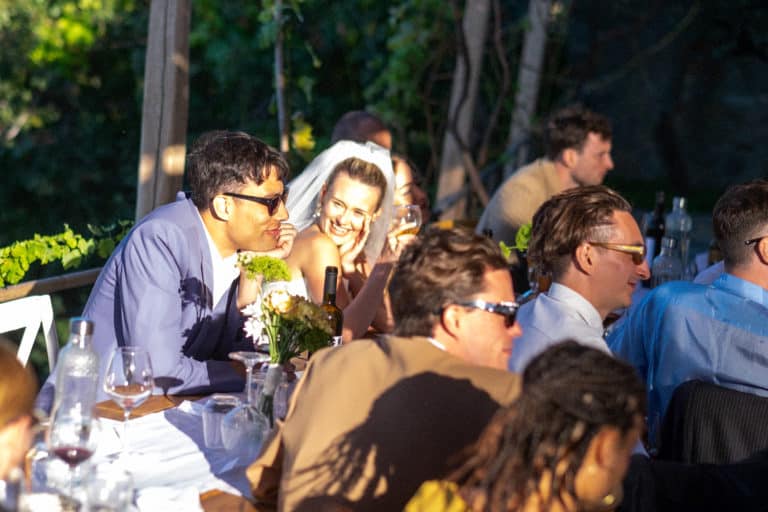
(166, 104)
(455, 153)
(528, 80)
(282, 117)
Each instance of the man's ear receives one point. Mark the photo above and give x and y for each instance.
(451, 319)
(584, 257)
(221, 207)
(570, 157)
(762, 250)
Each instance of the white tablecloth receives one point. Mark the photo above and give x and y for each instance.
(170, 465)
(172, 454)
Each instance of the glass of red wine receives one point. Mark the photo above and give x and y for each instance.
(128, 382)
(71, 438)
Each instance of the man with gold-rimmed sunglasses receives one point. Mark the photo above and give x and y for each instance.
(587, 241)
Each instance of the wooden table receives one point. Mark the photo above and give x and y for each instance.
(211, 501)
(155, 403)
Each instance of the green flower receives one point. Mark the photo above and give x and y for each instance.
(273, 269)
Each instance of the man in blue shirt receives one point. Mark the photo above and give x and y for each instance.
(716, 333)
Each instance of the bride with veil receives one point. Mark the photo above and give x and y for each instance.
(342, 206)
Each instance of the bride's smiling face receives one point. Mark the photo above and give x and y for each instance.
(346, 206)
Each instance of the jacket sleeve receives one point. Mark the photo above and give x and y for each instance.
(148, 308)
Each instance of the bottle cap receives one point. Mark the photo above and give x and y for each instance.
(679, 201)
(81, 326)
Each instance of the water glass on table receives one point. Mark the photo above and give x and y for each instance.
(214, 411)
(110, 488)
(244, 427)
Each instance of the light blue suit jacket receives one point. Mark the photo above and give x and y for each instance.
(155, 292)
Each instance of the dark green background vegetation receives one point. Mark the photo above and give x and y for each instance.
(683, 81)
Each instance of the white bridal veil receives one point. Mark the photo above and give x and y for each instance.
(304, 190)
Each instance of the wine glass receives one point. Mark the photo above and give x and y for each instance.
(243, 428)
(128, 382)
(71, 439)
(406, 220)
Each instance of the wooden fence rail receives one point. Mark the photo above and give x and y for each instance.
(50, 284)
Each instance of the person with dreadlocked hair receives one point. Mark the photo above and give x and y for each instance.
(563, 445)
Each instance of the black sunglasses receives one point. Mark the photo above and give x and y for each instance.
(754, 240)
(272, 203)
(506, 309)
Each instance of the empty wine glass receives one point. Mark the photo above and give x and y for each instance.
(243, 428)
(406, 220)
(71, 439)
(128, 382)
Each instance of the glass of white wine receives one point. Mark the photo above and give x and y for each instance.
(128, 382)
(406, 220)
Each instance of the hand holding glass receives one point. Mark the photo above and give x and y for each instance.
(128, 382)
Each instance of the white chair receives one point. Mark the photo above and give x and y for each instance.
(31, 313)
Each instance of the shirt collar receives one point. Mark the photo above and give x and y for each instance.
(436, 343)
(743, 288)
(577, 303)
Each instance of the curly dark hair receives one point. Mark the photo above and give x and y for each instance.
(570, 391)
(442, 266)
(570, 127)
(566, 220)
(222, 161)
(741, 214)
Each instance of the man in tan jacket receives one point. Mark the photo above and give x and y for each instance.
(370, 421)
(578, 144)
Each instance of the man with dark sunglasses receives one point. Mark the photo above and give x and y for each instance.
(373, 419)
(173, 284)
(586, 240)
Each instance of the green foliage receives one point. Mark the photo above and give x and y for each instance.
(418, 31)
(70, 97)
(522, 239)
(68, 248)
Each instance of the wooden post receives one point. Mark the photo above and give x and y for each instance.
(166, 103)
(453, 164)
(282, 114)
(528, 80)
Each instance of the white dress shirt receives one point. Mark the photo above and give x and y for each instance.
(225, 270)
(559, 314)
